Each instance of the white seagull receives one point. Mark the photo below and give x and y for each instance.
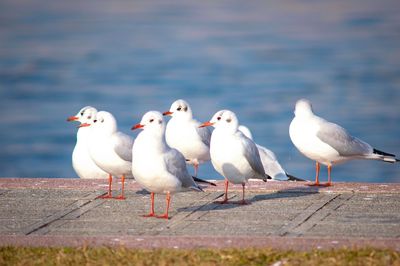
(233, 155)
(82, 163)
(183, 133)
(268, 158)
(158, 168)
(110, 149)
(328, 143)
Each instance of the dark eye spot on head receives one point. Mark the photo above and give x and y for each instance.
(179, 108)
(228, 120)
(151, 120)
(185, 109)
(160, 121)
(89, 117)
(218, 118)
(102, 120)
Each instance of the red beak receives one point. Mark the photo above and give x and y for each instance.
(206, 124)
(167, 113)
(84, 125)
(137, 126)
(72, 118)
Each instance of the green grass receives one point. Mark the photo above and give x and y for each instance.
(124, 256)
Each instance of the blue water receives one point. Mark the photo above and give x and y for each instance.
(253, 57)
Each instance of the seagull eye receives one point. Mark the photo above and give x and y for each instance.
(82, 113)
(179, 108)
(151, 120)
(94, 121)
(218, 118)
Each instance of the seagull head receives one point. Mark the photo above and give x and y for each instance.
(85, 116)
(180, 108)
(104, 123)
(152, 121)
(223, 120)
(303, 108)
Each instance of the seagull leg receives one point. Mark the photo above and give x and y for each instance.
(151, 214)
(165, 215)
(108, 196)
(317, 168)
(226, 193)
(196, 168)
(122, 197)
(329, 177)
(243, 202)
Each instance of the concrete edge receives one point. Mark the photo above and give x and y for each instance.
(188, 242)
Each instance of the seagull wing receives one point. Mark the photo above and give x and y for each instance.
(123, 145)
(338, 138)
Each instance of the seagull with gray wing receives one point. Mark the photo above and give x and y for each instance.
(233, 155)
(157, 167)
(183, 133)
(111, 150)
(328, 143)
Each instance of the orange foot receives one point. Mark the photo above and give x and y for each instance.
(164, 216)
(152, 214)
(225, 201)
(108, 196)
(319, 184)
(120, 197)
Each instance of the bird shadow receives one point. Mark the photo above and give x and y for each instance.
(142, 192)
(295, 192)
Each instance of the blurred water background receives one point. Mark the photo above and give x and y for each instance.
(253, 57)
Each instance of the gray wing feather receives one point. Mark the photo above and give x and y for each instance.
(339, 139)
(205, 134)
(176, 165)
(252, 155)
(123, 146)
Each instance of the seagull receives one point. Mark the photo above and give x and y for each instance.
(183, 133)
(233, 155)
(82, 163)
(270, 163)
(328, 143)
(111, 150)
(159, 168)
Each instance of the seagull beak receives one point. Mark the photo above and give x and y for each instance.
(137, 126)
(167, 113)
(206, 124)
(72, 118)
(83, 125)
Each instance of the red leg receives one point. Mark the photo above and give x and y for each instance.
(151, 214)
(108, 196)
(329, 177)
(317, 168)
(226, 193)
(196, 169)
(165, 215)
(122, 196)
(243, 202)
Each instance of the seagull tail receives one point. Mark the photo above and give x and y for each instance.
(384, 156)
(293, 178)
(203, 181)
(266, 177)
